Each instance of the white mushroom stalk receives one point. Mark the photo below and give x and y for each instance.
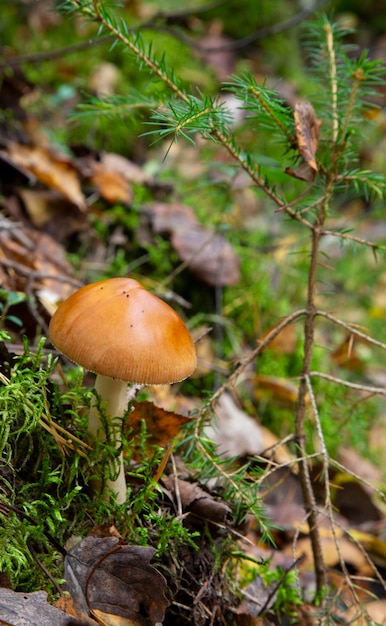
(114, 396)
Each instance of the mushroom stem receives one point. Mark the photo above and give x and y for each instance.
(113, 394)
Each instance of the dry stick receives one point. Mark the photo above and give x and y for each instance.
(326, 480)
(339, 381)
(351, 329)
(300, 417)
(353, 238)
(231, 381)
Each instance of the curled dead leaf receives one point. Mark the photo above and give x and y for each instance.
(307, 128)
(54, 170)
(111, 580)
(162, 426)
(195, 500)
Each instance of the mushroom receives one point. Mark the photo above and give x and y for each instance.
(122, 332)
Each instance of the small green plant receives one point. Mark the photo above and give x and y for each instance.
(8, 299)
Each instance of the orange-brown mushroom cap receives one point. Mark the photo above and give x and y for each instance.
(119, 329)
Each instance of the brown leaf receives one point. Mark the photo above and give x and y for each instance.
(162, 426)
(284, 343)
(307, 128)
(132, 172)
(278, 390)
(348, 551)
(66, 604)
(54, 170)
(168, 217)
(209, 256)
(351, 354)
(33, 251)
(49, 211)
(112, 185)
(352, 500)
(197, 501)
(116, 581)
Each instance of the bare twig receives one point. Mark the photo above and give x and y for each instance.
(51, 55)
(300, 413)
(358, 386)
(353, 238)
(351, 329)
(231, 381)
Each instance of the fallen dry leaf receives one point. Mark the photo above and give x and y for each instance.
(352, 354)
(376, 612)
(162, 426)
(112, 186)
(115, 581)
(39, 259)
(195, 500)
(278, 390)
(50, 211)
(238, 434)
(167, 217)
(348, 551)
(209, 256)
(132, 172)
(54, 170)
(352, 461)
(353, 500)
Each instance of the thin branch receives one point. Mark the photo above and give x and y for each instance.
(231, 380)
(359, 387)
(353, 238)
(351, 329)
(259, 180)
(342, 468)
(326, 479)
(301, 408)
(51, 55)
